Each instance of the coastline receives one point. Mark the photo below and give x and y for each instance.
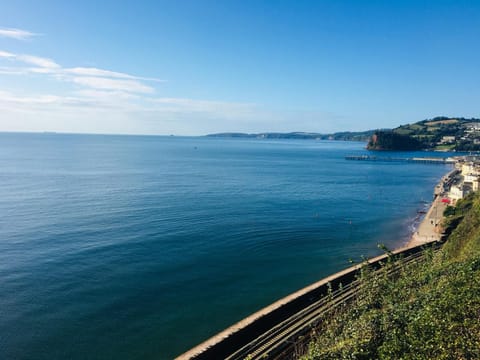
(430, 227)
(428, 231)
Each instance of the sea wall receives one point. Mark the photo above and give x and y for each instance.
(235, 337)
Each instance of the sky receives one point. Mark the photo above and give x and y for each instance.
(193, 67)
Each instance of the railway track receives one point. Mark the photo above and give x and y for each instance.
(276, 332)
(281, 340)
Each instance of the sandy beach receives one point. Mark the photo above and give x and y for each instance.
(430, 228)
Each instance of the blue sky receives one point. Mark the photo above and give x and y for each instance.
(196, 67)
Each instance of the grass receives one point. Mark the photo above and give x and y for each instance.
(430, 310)
(445, 147)
(437, 122)
(417, 127)
(403, 131)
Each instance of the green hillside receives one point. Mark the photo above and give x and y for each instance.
(430, 311)
(440, 133)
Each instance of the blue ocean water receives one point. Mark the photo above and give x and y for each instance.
(131, 247)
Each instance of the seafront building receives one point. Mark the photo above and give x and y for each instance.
(456, 192)
(466, 179)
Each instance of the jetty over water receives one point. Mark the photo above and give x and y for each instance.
(423, 160)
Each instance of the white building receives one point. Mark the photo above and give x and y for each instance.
(447, 140)
(456, 192)
(473, 180)
(470, 168)
(473, 126)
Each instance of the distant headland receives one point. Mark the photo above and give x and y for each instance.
(342, 136)
(441, 133)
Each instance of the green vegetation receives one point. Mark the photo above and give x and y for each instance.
(464, 242)
(440, 133)
(389, 140)
(450, 147)
(455, 214)
(430, 310)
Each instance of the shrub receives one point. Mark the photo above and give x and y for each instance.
(430, 310)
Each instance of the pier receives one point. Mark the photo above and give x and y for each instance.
(422, 160)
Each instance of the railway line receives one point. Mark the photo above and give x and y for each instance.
(282, 340)
(282, 329)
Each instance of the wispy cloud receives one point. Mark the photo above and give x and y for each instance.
(91, 71)
(88, 94)
(63, 104)
(42, 99)
(89, 77)
(113, 84)
(93, 110)
(5, 70)
(38, 61)
(6, 55)
(30, 60)
(17, 34)
(105, 94)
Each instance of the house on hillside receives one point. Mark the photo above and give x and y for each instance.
(456, 192)
(470, 168)
(472, 127)
(447, 140)
(471, 181)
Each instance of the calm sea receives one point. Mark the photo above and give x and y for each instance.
(130, 247)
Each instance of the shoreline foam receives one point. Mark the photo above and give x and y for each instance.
(429, 228)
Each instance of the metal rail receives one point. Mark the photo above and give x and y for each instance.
(281, 339)
(277, 330)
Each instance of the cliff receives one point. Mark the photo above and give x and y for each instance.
(440, 133)
(389, 140)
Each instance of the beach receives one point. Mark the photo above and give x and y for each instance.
(430, 228)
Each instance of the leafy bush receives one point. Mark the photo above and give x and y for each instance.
(431, 310)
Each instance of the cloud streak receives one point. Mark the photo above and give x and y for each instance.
(91, 71)
(94, 111)
(97, 99)
(38, 61)
(17, 34)
(89, 77)
(113, 84)
(7, 55)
